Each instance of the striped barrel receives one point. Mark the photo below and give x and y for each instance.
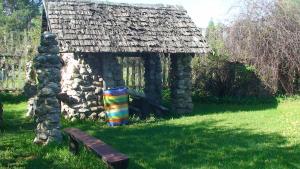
(116, 106)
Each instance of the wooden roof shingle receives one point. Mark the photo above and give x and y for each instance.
(85, 26)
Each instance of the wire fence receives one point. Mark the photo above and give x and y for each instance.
(134, 70)
(14, 51)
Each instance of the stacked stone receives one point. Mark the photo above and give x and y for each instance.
(181, 83)
(153, 77)
(112, 72)
(47, 65)
(78, 83)
(83, 84)
(31, 106)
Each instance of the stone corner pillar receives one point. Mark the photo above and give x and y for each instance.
(153, 77)
(47, 65)
(181, 83)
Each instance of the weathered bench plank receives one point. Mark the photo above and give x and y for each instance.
(142, 104)
(109, 155)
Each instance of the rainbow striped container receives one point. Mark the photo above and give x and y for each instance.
(116, 106)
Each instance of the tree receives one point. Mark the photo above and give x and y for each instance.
(17, 15)
(19, 37)
(266, 34)
(214, 36)
(21, 25)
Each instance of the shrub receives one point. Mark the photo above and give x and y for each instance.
(222, 78)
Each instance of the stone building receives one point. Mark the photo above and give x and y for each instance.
(92, 35)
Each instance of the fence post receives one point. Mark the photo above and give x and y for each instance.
(127, 71)
(133, 73)
(139, 74)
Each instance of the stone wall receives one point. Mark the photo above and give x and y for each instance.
(181, 83)
(84, 77)
(47, 65)
(153, 77)
(111, 72)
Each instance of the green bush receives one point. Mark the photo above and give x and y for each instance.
(218, 77)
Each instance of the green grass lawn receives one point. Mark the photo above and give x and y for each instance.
(214, 136)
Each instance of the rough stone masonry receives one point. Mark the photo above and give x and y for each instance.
(84, 77)
(181, 86)
(153, 77)
(47, 65)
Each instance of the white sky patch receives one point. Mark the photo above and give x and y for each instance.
(201, 11)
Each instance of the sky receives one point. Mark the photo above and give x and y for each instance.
(201, 11)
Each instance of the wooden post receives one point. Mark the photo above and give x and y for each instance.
(164, 62)
(133, 73)
(139, 74)
(127, 71)
(73, 145)
(122, 66)
(168, 70)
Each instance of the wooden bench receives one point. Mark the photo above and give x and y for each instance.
(142, 104)
(110, 156)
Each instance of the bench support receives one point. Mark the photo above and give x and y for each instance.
(73, 145)
(110, 156)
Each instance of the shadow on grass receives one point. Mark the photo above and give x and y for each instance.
(12, 98)
(212, 108)
(14, 121)
(59, 157)
(157, 145)
(17, 149)
(20, 152)
(208, 105)
(218, 108)
(198, 145)
(215, 105)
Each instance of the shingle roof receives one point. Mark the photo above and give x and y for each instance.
(83, 26)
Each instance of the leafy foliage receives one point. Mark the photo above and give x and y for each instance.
(225, 79)
(266, 35)
(17, 15)
(216, 75)
(19, 37)
(214, 36)
(21, 26)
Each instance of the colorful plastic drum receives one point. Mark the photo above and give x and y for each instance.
(116, 106)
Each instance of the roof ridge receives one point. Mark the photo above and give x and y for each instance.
(140, 5)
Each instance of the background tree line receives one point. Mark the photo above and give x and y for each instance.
(20, 18)
(256, 54)
(19, 37)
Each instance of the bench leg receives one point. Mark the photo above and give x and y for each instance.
(73, 146)
(119, 165)
(145, 110)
